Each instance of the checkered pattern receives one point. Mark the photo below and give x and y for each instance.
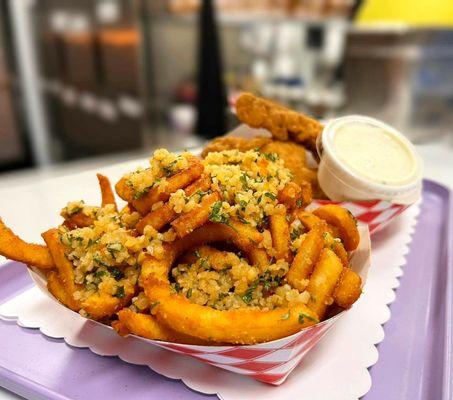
(376, 213)
(272, 362)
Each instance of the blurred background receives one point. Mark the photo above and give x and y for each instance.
(86, 82)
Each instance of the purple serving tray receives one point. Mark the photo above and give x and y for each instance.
(415, 359)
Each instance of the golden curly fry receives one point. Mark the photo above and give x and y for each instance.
(283, 123)
(164, 215)
(108, 197)
(14, 248)
(101, 305)
(337, 247)
(191, 220)
(57, 289)
(294, 196)
(217, 259)
(78, 220)
(309, 220)
(234, 143)
(63, 265)
(345, 222)
(243, 326)
(147, 326)
(306, 257)
(323, 280)
(279, 229)
(348, 289)
(178, 181)
(98, 305)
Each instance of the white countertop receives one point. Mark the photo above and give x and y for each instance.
(35, 195)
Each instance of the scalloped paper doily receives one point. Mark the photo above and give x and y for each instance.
(337, 369)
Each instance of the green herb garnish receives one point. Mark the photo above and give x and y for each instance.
(270, 195)
(303, 316)
(116, 273)
(120, 293)
(271, 156)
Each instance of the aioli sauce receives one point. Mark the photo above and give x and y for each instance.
(374, 153)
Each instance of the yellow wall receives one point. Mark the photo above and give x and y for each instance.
(435, 13)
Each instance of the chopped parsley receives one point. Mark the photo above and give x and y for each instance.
(120, 293)
(97, 259)
(100, 273)
(303, 317)
(177, 287)
(116, 273)
(138, 195)
(216, 214)
(270, 195)
(295, 233)
(112, 248)
(243, 179)
(299, 203)
(271, 156)
(189, 293)
(92, 242)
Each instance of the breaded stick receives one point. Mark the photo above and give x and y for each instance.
(283, 123)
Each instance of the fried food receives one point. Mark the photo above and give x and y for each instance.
(323, 280)
(294, 196)
(283, 123)
(78, 220)
(165, 214)
(208, 252)
(234, 143)
(231, 326)
(306, 257)
(348, 289)
(14, 248)
(191, 220)
(58, 290)
(145, 200)
(217, 259)
(342, 219)
(245, 326)
(294, 157)
(147, 326)
(279, 229)
(63, 265)
(108, 197)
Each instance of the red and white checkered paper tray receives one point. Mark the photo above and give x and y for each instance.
(269, 362)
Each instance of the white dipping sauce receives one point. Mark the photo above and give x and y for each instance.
(373, 153)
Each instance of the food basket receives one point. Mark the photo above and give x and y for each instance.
(269, 362)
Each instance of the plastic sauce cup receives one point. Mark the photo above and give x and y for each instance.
(373, 147)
